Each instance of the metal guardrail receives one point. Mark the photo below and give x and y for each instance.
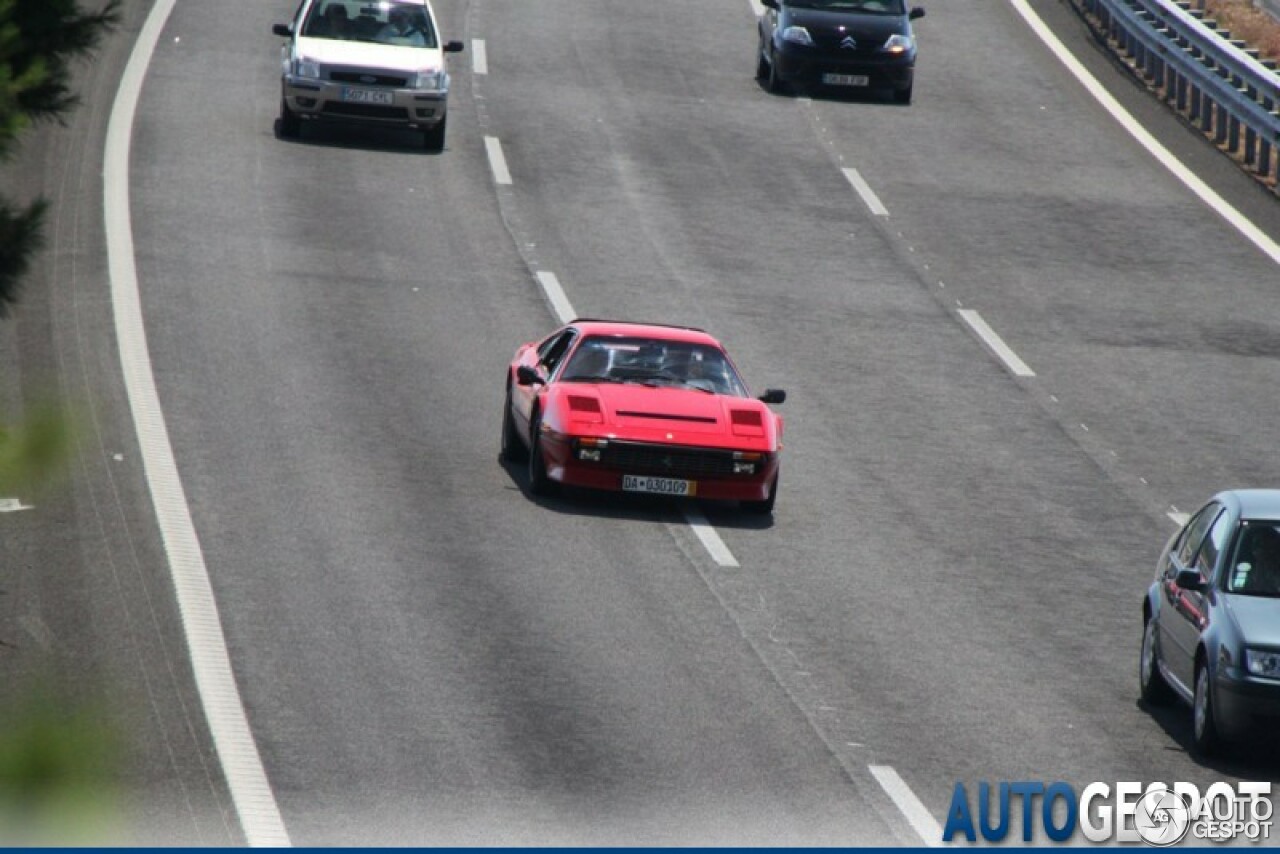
(1217, 84)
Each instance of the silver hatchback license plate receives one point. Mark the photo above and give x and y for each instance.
(658, 485)
(367, 96)
(845, 79)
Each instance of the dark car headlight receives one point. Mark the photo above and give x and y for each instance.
(797, 35)
(1262, 662)
(898, 44)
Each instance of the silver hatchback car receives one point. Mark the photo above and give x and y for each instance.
(366, 62)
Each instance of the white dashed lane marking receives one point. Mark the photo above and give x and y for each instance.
(996, 343)
(556, 296)
(709, 538)
(917, 815)
(868, 195)
(479, 57)
(497, 160)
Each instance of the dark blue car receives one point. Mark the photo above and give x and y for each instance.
(849, 45)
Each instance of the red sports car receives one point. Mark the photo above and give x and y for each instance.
(640, 407)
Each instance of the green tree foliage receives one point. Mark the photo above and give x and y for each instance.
(34, 452)
(60, 759)
(39, 39)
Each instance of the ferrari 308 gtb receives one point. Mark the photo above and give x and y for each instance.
(640, 407)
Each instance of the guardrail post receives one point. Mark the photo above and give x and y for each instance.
(1220, 118)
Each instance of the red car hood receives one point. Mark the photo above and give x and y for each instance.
(664, 414)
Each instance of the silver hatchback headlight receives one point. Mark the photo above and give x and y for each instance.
(1262, 662)
(431, 81)
(303, 67)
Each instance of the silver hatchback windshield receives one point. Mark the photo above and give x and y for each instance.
(384, 22)
(1255, 568)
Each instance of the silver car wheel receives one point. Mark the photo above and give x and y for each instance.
(1148, 662)
(1201, 707)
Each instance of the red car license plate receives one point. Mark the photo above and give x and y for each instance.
(658, 485)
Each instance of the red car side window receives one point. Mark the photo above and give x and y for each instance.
(550, 354)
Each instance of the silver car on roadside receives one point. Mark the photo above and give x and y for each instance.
(379, 62)
(1211, 620)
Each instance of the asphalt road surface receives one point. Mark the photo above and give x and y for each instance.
(950, 589)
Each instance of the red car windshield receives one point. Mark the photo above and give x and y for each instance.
(653, 361)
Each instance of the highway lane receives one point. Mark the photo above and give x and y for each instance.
(957, 554)
(426, 655)
(1106, 276)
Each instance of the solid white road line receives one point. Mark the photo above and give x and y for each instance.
(997, 345)
(497, 162)
(757, 8)
(13, 505)
(556, 296)
(920, 819)
(1241, 223)
(479, 59)
(1179, 519)
(237, 752)
(869, 197)
(710, 539)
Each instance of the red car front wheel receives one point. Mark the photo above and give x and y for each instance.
(539, 483)
(764, 508)
(513, 450)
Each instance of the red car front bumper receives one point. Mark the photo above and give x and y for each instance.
(564, 467)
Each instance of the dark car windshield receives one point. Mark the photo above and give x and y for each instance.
(881, 7)
(1255, 567)
(653, 361)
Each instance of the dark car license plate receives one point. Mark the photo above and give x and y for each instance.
(845, 79)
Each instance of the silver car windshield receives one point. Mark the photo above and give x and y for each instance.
(383, 22)
(1255, 567)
